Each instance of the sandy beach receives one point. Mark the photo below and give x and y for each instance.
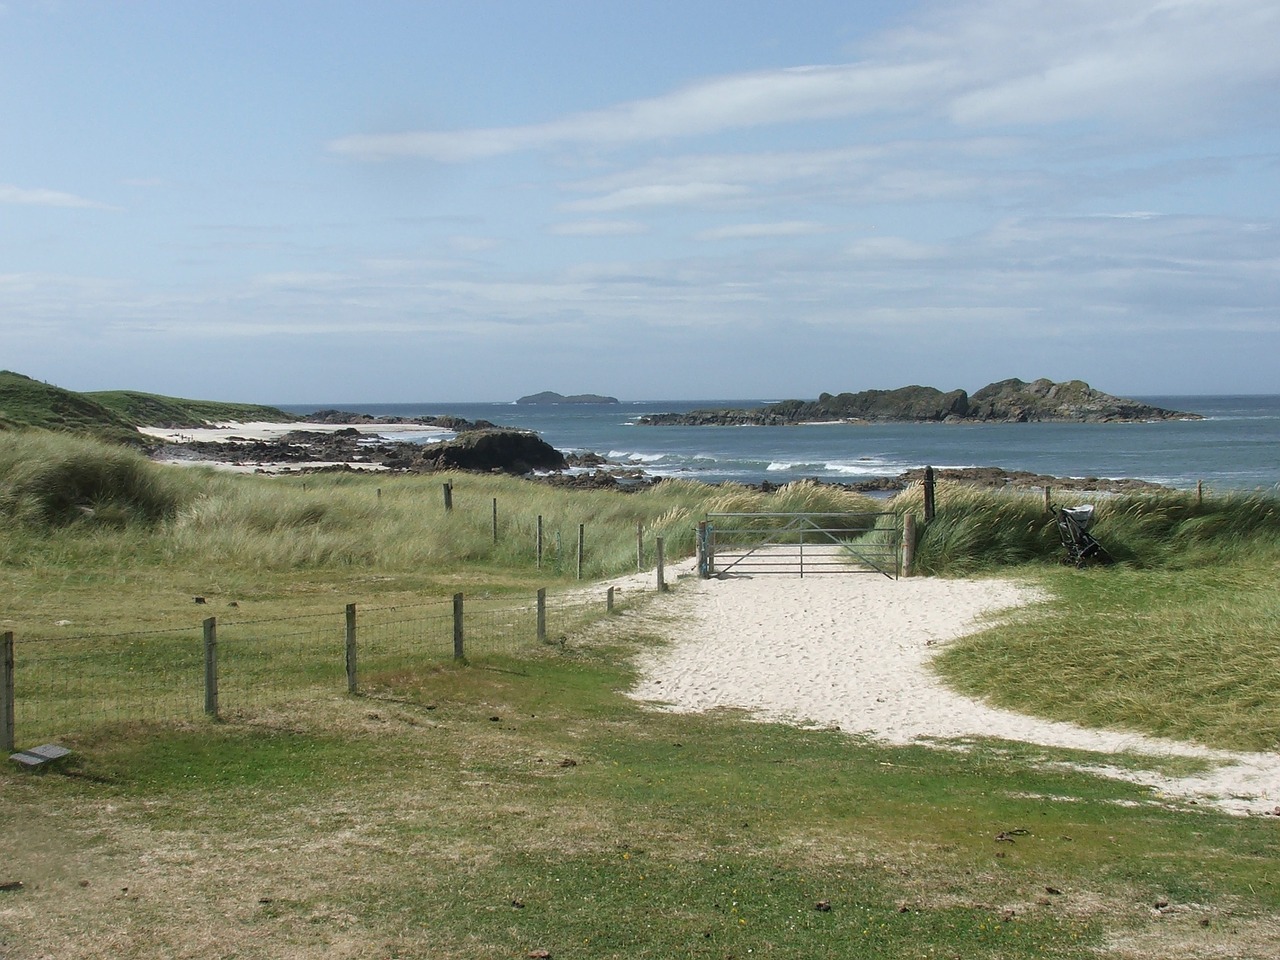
(263, 430)
(853, 652)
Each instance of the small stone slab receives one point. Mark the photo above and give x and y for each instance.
(37, 756)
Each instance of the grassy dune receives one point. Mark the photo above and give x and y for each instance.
(522, 803)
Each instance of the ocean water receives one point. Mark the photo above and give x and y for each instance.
(1236, 446)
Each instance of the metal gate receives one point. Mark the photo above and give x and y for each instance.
(800, 543)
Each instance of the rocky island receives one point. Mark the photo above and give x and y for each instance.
(551, 397)
(1007, 401)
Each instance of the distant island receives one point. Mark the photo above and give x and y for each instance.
(1007, 401)
(549, 397)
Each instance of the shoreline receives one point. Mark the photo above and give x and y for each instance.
(279, 448)
(359, 443)
(263, 430)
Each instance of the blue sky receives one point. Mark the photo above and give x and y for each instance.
(335, 201)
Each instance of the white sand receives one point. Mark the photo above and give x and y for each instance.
(262, 430)
(853, 651)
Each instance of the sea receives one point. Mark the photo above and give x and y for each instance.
(1235, 447)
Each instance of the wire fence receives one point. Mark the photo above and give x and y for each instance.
(63, 688)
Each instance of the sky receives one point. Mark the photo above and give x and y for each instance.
(326, 201)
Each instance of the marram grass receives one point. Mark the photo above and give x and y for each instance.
(49, 480)
(977, 530)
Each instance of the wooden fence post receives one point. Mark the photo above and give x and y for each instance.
(7, 732)
(608, 600)
(448, 496)
(658, 549)
(211, 666)
(539, 543)
(908, 543)
(928, 494)
(458, 652)
(582, 544)
(542, 615)
(495, 519)
(353, 686)
(1199, 493)
(1048, 499)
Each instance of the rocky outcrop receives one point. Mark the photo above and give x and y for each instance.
(297, 447)
(508, 451)
(445, 421)
(906, 403)
(550, 396)
(1015, 401)
(1008, 401)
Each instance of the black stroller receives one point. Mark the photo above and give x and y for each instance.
(1073, 528)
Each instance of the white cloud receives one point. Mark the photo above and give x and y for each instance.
(465, 243)
(982, 63)
(750, 231)
(659, 194)
(723, 103)
(900, 171)
(1142, 61)
(598, 228)
(40, 197)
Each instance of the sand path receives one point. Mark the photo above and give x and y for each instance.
(853, 651)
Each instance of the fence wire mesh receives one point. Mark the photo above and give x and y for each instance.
(265, 662)
(73, 685)
(77, 683)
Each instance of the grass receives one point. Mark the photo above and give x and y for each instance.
(523, 803)
(977, 530)
(153, 410)
(1181, 654)
(114, 415)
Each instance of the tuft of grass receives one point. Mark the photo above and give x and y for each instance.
(51, 480)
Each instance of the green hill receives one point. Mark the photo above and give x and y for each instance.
(112, 415)
(152, 410)
(29, 403)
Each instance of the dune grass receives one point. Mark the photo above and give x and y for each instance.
(1187, 654)
(976, 530)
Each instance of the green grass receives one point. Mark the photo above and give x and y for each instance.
(1177, 653)
(525, 804)
(26, 403)
(50, 481)
(976, 530)
(153, 410)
